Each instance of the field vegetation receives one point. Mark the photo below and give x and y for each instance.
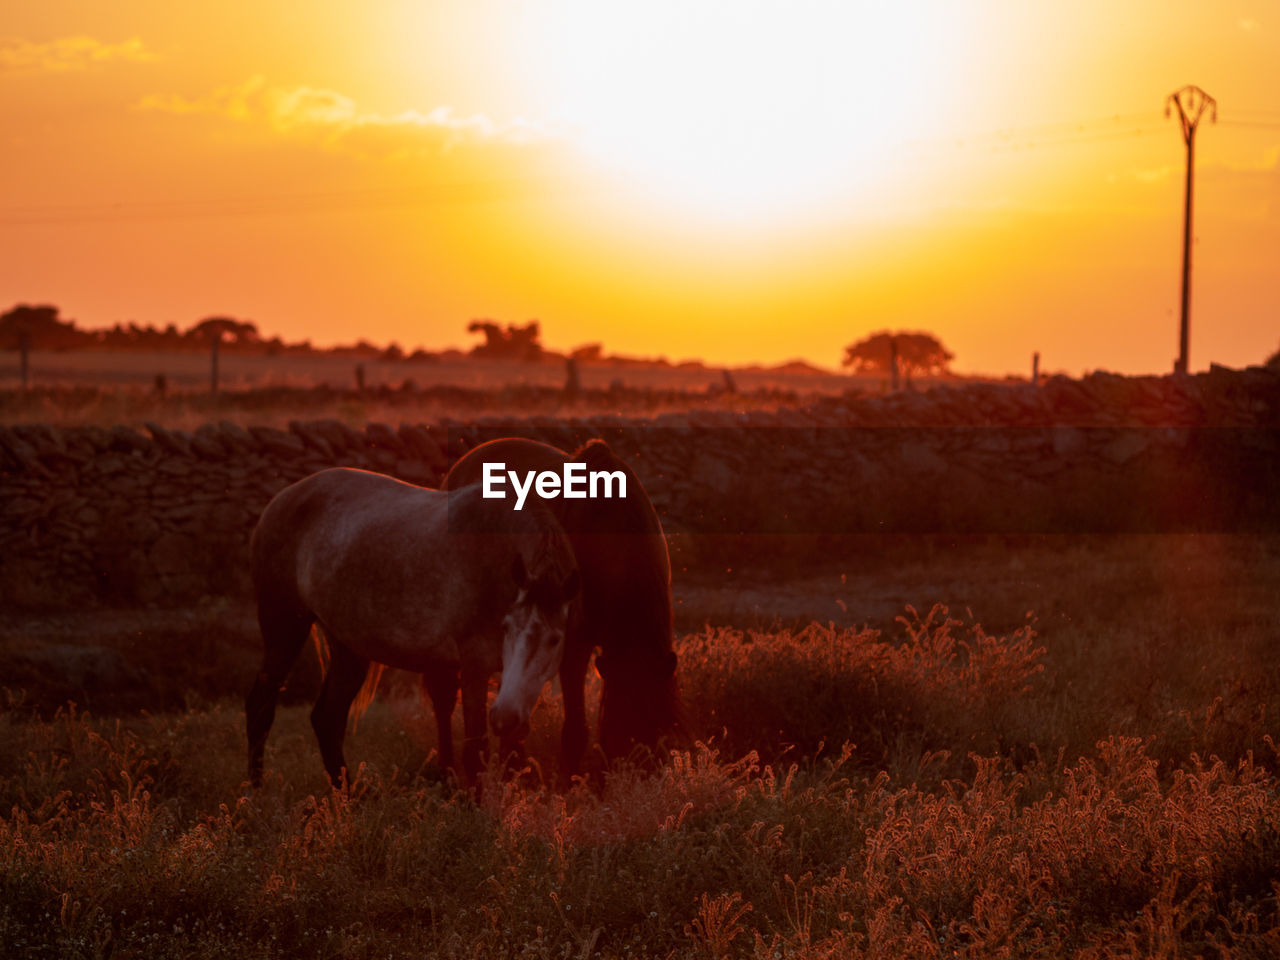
(172, 388)
(1098, 779)
(275, 406)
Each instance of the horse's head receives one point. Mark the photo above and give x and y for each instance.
(533, 639)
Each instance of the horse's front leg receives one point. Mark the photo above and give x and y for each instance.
(475, 721)
(441, 683)
(573, 736)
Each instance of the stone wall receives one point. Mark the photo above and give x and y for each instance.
(94, 515)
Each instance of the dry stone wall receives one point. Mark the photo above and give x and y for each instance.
(93, 515)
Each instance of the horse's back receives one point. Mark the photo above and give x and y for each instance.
(619, 543)
(275, 542)
(391, 569)
(517, 453)
(327, 510)
(346, 533)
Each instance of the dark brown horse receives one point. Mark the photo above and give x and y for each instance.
(446, 584)
(626, 600)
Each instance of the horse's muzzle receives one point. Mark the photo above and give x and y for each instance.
(506, 721)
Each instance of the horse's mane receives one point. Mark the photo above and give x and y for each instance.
(549, 553)
(633, 517)
(635, 514)
(548, 559)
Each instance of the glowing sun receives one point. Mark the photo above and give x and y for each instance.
(746, 109)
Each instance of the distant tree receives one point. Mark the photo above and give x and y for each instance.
(588, 353)
(918, 353)
(512, 343)
(494, 342)
(525, 343)
(42, 328)
(224, 329)
(1274, 359)
(152, 338)
(393, 352)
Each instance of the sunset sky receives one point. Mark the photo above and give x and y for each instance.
(737, 181)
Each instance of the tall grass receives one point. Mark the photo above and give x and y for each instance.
(275, 405)
(925, 793)
(938, 686)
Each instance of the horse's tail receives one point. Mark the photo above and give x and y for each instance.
(371, 678)
(367, 690)
(322, 648)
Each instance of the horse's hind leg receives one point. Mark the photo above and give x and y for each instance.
(441, 683)
(283, 634)
(329, 716)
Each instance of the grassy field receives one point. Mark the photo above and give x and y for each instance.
(108, 388)
(276, 406)
(1098, 778)
(242, 371)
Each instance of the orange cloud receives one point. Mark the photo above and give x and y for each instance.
(336, 121)
(67, 54)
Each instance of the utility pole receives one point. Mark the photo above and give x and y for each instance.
(1191, 102)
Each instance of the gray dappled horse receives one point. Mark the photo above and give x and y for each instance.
(621, 552)
(408, 577)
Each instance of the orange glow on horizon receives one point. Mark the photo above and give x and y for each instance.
(744, 182)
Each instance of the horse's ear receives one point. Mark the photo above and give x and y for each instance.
(602, 665)
(518, 572)
(572, 586)
(596, 453)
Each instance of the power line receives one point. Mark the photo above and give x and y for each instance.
(1100, 129)
(1256, 113)
(1098, 137)
(1254, 124)
(1044, 134)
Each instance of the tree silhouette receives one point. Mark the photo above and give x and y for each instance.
(224, 330)
(513, 343)
(918, 353)
(41, 327)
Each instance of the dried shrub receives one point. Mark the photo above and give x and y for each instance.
(941, 686)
